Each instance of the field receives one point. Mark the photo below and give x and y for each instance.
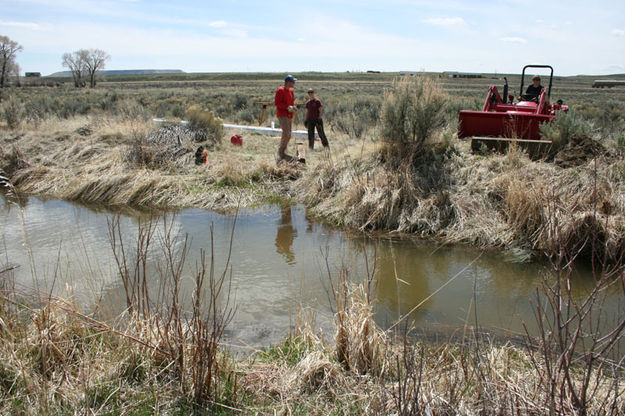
(101, 146)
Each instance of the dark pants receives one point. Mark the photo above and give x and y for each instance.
(311, 133)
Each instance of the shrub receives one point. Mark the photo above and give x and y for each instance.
(131, 110)
(412, 110)
(349, 123)
(247, 115)
(239, 101)
(206, 122)
(140, 153)
(178, 111)
(13, 112)
(566, 127)
(12, 160)
(354, 116)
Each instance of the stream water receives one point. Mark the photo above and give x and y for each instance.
(281, 263)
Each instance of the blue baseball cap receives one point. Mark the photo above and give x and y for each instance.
(290, 78)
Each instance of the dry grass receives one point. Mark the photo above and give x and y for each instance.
(495, 201)
(63, 363)
(115, 162)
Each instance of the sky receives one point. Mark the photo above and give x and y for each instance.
(575, 37)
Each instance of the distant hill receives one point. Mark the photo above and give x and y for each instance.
(68, 74)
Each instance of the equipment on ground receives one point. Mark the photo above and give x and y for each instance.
(502, 121)
(301, 152)
(236, 140)
(201, 156)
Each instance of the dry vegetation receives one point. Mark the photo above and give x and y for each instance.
(140, 163)
(157, 358)
(415, 178)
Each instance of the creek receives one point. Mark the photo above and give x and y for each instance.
(281, 263)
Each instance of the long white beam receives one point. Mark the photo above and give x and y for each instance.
(267, 131)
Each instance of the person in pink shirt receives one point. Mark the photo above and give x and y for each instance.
(285, 107)
(314, 120)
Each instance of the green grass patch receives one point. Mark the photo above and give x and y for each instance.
(291, 351)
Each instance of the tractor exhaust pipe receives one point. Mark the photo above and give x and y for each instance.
(505, 90)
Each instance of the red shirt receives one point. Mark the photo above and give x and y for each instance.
(284, 98)
(312, 109)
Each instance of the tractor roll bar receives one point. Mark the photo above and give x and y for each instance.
(537, 66)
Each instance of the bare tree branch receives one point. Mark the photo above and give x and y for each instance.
(85, 63)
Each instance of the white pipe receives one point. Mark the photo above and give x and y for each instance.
(267, 131)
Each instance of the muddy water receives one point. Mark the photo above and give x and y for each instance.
(281, 263)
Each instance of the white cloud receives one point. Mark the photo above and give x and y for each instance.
(218, 23)
(513, 39)
(618, 32)
(21, 25)
(445, 21)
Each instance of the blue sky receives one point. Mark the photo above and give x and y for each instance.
(576, 37)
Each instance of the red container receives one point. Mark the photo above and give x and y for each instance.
(236, 140)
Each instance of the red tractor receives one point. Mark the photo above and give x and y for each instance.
(502, 121)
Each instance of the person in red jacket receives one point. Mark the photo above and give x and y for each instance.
(285, 107)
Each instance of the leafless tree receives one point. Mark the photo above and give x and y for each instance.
(85, 63)
(95, 61)
(8, 49)
(75, 62)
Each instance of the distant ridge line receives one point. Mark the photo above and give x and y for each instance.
(68, 74)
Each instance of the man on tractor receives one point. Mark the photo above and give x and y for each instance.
(533, 90)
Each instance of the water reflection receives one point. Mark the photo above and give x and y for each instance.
(276, 270)
(286, 234)
(402, 284)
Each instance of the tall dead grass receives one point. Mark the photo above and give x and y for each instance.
(137, 163)
(358, 340)
(58, 360)
(369, 371)
(460, 197)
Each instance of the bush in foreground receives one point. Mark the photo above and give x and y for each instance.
(411, 112)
